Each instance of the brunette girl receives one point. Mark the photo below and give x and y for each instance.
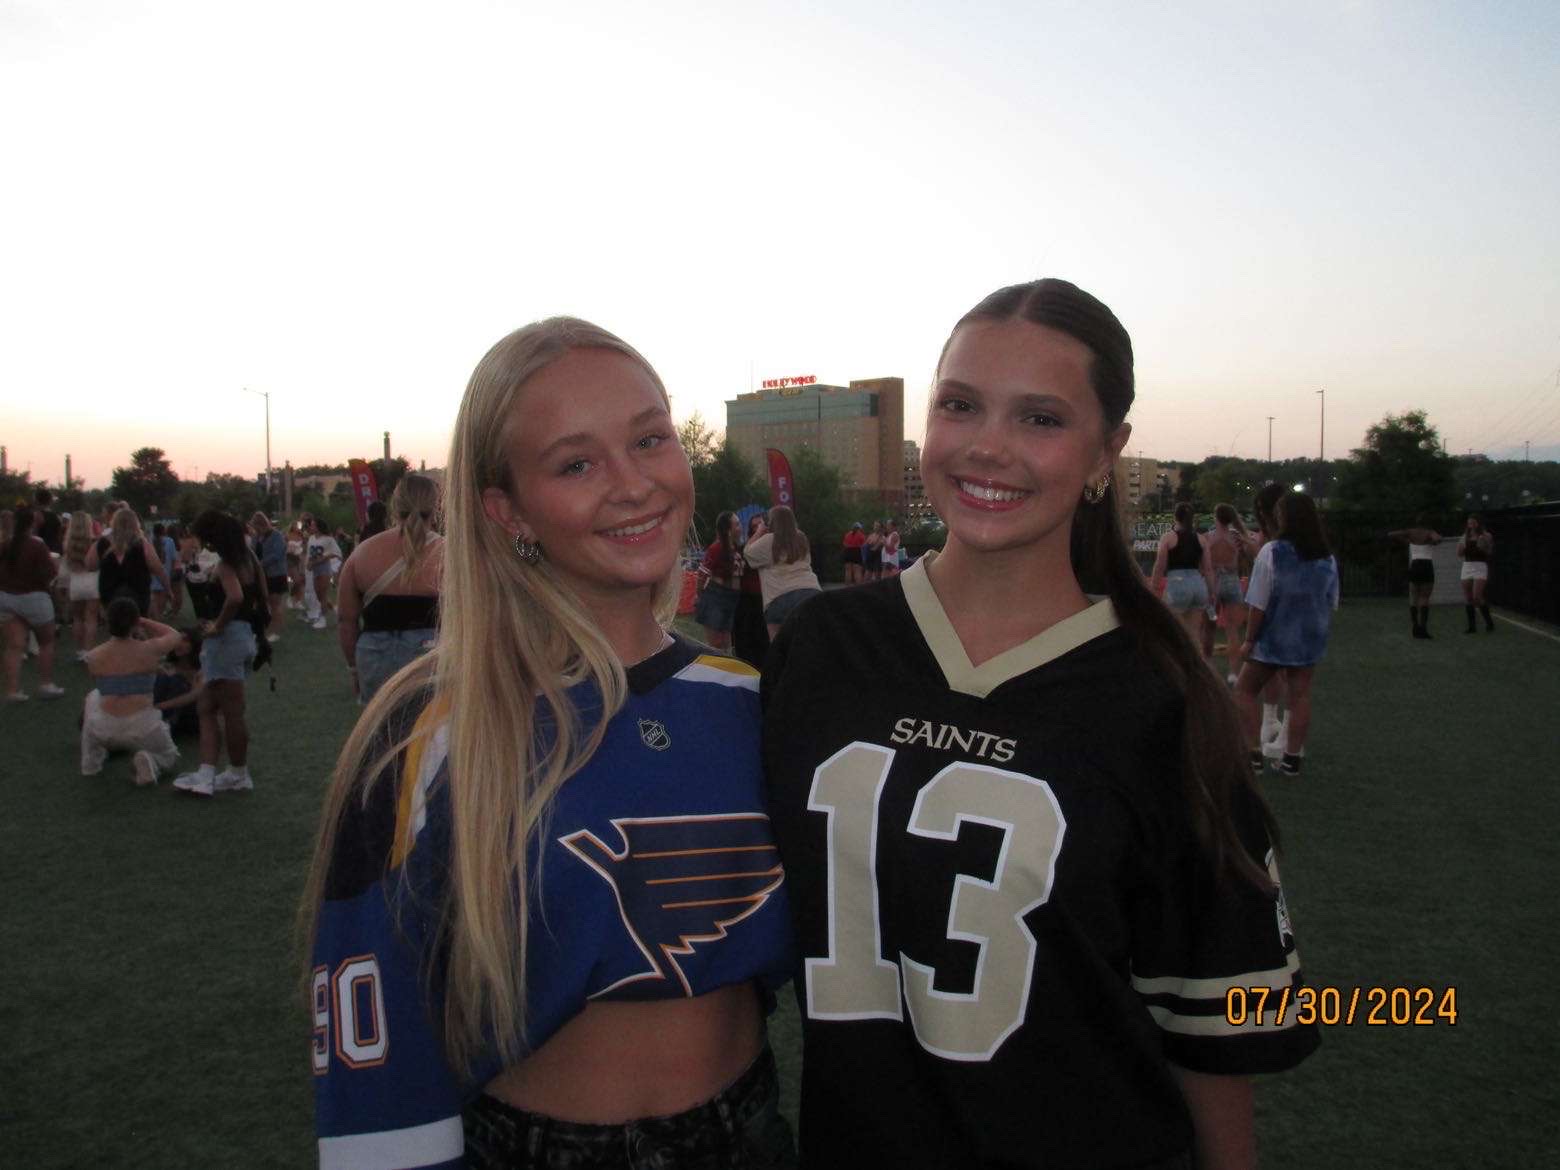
(1027, 858)
(1293, 591)
(1475, 550)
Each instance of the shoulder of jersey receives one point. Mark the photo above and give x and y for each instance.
(713, 668)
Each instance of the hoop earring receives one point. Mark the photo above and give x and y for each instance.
(529, 551)
(1095, 492)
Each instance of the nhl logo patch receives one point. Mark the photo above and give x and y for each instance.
(653, 733)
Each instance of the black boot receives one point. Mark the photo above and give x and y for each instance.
(1472, 629)
(1424, 621)
(1489, 623)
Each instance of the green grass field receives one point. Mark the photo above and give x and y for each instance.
(151, 1015)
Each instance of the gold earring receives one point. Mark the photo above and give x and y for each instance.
(1094, 493)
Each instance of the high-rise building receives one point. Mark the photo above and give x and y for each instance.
(859, 428)
(917, 506)
(1146, 483)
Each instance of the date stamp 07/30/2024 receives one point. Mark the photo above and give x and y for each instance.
(1379, 1007)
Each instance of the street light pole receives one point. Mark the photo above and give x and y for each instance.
(266, 394)
(1270, 438)
(1321, 451)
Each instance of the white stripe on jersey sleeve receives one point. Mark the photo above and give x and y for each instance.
(1219, 1025)
(1278, 979)
(396, 1149)
(432, 760)
(702, 670)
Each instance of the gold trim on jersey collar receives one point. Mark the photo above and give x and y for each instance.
(967, 679)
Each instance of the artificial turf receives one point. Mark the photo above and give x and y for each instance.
(152, 1013)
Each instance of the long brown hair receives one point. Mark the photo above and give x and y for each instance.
(790, 542)
(1301, 526)
(1213, 760)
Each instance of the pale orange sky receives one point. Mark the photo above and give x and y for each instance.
(346, 204)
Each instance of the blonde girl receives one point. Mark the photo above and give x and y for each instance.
(545, 895)
(83, 582)
(390, 588)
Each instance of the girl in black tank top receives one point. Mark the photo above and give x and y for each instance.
(128, 576)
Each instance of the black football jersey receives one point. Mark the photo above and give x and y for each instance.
(1006, 926)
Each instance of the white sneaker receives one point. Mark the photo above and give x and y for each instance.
(50, 691)
(145, 769)
(273, 638)
(318, 623)
(195, 784)
(231, 781)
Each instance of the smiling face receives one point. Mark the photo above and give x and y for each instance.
(1013, 434)
(597, 476)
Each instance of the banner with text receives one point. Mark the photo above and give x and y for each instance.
(365, 489)
(782, 488)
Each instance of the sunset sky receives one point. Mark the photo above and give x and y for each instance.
(345, 204)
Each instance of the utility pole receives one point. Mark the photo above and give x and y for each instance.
(1321, 452)
(266, 394)
(1527, 450)
(387, 448)
(1270, 438)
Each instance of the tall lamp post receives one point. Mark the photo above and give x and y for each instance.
(1270, 438)
(1321, 451)
(266, 394)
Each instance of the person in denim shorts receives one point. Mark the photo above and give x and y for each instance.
(226, 654)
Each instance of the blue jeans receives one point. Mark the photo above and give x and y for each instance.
(739, 1128)
(380, 653)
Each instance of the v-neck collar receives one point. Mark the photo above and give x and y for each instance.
(966, 678)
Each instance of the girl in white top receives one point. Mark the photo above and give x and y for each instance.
(785, 572)
(1422, 540)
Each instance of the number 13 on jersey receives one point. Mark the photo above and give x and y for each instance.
(854, 981)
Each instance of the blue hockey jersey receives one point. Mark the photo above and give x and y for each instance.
(660, 879)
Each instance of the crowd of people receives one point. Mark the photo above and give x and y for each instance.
(993, 812)
(154, 683)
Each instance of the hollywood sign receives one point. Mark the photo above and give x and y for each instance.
(786, 383)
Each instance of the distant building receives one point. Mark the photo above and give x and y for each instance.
(859, 428)
(1146, 483)
(917, 506)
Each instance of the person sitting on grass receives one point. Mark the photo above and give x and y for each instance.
(178, 687)
(119, 713)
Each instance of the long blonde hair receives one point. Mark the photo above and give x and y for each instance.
(78, 541)
(413, 504)
(124, 530)
(513, 638)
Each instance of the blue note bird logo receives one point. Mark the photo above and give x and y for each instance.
(681, 881)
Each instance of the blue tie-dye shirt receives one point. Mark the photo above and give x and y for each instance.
(1297, 598)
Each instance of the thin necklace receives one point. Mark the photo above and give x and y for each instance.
(665, 641)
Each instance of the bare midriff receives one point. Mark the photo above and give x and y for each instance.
(618, 1061)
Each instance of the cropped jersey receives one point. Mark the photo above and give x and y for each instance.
(1007, 927)
(660, 879)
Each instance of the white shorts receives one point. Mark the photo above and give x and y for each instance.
(35, 609)
(1476, 571)
(83, 586)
